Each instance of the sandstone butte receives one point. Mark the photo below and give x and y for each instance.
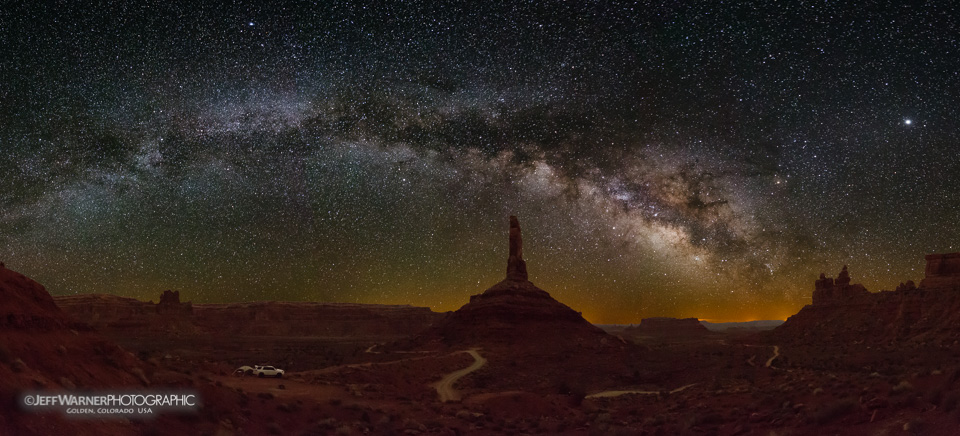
(843, 311)
(515, 313)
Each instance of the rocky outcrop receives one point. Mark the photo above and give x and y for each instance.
(942, 272)
(842, 312)
(170, 305)
(829, 291)
(25, 304)
(42, 348)
(515, 311)
(111, 314)
(533, 342)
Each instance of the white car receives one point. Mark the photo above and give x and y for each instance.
(267, 371)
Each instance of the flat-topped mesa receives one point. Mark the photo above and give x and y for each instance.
(942, 272)
(516, 267)
(829, 291)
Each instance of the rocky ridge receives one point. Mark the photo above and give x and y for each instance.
(846, 312)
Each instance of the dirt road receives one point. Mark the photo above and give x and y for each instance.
(618, 393)
(445, 386)
(776, 354)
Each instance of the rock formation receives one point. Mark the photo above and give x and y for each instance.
(848, 312)
(515, 311)
(830, 291)
(942, 272)
(42, 348)
(25, 304)
(532, 341)
(171, 306)
(516, 267)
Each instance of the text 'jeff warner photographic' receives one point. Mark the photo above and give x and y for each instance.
(104, 404)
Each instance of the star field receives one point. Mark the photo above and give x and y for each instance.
(705, 160)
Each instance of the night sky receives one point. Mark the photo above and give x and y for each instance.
(665, 159)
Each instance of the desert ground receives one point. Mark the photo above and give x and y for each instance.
(511, 360)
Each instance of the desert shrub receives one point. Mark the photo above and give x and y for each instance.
(833, 410)
(915, 426)
(901, 387)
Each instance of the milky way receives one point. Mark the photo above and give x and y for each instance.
(664, 160)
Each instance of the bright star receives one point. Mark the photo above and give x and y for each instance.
(908, 121)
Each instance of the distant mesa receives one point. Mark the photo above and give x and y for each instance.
(107, 313)
(666, 327)
(842, 311)
(120, 316)
(742, 326)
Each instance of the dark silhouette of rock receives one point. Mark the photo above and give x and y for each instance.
(515, 311)
(42, 347)
(906, 287)
(942, 272)
(531, 339)
(843, 279)
(170, 305)
(516, 267)
(830, 291)
(25, 304)
(169, 297)
(844, 312)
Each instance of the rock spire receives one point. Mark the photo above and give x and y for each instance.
(516, 267)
